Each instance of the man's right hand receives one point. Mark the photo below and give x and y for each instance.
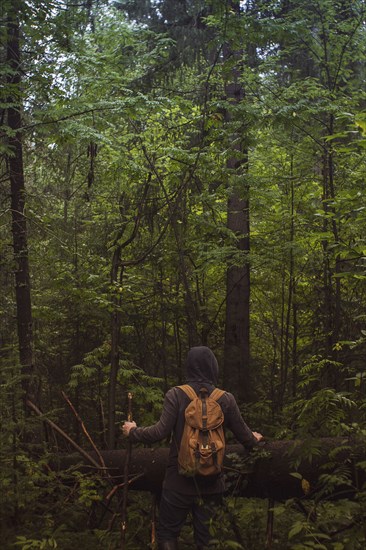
(126, 427)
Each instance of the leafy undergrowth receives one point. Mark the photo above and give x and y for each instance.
(241, 524)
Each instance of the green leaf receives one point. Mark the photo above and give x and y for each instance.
(296, 529)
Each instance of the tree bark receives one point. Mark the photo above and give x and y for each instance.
(237, 344)
(116, 278)
(267, 476)
(19, 224)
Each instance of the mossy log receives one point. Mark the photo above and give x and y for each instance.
(268, 472)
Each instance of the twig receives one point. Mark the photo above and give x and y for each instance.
(86, 455)
(153, 521)
(84, 428)
(116, 487)
(103, 421)
(270, 520)
(125, 472)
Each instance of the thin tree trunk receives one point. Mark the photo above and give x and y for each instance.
(163, 322)
(178, 352)
(116, 278)
(332, 287)
(294, 344)
(335, 230)
(191, 305)
(290, 292)
(77, 341)
(281, 384)
(327, 276)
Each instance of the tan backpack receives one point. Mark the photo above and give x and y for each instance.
(202, 447)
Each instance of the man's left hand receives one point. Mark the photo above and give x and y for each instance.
(258, 436)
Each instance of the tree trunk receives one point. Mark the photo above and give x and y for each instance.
(116, 278)
(267, 476)
(332, 288)
(19, 225)
(179, 225)
(237, 348)
(287, 328)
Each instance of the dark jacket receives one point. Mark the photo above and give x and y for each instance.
(201, 371)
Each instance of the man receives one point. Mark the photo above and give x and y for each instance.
(200, 495)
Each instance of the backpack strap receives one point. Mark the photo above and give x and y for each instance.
(216, 394)
(189, 391)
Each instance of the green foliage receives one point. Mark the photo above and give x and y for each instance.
(126, 140)
(241, 516)
(26, 544)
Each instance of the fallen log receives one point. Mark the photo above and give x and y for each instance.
(266, 473)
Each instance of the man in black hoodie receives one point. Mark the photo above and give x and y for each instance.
(199, 495)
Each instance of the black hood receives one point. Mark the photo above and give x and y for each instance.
(202, 366)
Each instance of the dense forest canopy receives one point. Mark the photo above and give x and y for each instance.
(178, 173)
